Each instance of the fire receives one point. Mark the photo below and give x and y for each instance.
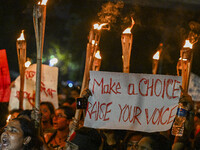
(93, 42)
(97, 55)
(99, 26)
(21, 38)
(8, 118)
(44, 2)
(156, 56)
(128, 30)
(188, 44)
(184, 59)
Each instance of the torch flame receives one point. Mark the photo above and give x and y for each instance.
(184, 59)
(128, 30)
(44, 2)
(8, 118)
(99, 26)
(97, 55)
(21, 38)
(156, 56)
(188, 44)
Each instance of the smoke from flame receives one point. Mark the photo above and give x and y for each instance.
(110, 11)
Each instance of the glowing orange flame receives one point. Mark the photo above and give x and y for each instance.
(184, 59)
(44, 2)
(156, 56)
(188, 44)
(128, 30)
(8, 118)
(21, 38)
(97, 55)
(99, 26)
(93, 42)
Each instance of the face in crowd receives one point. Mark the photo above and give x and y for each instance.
(13, 137)
(60, 121)
(46, 114)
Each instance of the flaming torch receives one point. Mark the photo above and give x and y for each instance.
(97, 61)
(21, 53)
(94, 38)
(186, 63)
(39, 20)
(126, 40)
(156, 58)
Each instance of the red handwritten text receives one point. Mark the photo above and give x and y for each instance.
(111, 87)
(98, 111)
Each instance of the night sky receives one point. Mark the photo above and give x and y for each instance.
(68, 24)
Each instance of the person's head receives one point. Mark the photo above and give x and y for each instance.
(14, 113)
(25, 114)
(131, 140)
(154, 141)
(47, 110)
(63, 116)
(19, 134)
(71, 102)
(75, 93)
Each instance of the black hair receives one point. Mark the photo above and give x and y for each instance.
(26, 112)
(129, 135)
(50, 106)
(28, 129)
(15, 111)
(159, 141)
(68, 111)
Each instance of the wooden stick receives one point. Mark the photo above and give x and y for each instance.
(126, 40)
(186, 63)
(21, 54)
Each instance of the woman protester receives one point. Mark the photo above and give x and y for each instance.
(20, 134)
(47, 110)
(61, 120)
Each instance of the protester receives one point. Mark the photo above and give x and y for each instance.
(61, 120)
(20, 134)
(131, 140)
(47, 111)
(74, 92)
(154, 141)
(87, 139)
(71, 102)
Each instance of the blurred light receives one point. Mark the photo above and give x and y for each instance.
(53, 61)
(27, 63)
(70, 85)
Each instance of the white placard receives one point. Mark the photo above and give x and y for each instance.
(141, 102)
(49, 79)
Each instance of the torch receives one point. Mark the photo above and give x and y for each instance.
(94, 38)
(156, 57)
(21, 53)
(126, 40)
(39, 20)
(186, 63)
(97, 61)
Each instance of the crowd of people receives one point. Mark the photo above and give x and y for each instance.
(20, 132)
